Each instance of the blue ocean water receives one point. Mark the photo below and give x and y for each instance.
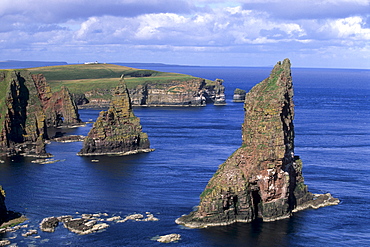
(332, 138)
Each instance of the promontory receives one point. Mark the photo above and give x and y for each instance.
(263, 178)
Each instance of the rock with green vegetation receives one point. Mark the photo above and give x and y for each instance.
(22, 119)
(27, 107)
(263, 178)
(116, 131)
(239, 95)
(92, 84)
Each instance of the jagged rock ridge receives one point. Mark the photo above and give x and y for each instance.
(263, 178)
(26, 106)
(118, 130)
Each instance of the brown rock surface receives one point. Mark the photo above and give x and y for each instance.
(59, 107)
(263, 178)
(116, 131)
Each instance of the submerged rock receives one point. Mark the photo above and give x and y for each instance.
(116, 131)
(263, 178)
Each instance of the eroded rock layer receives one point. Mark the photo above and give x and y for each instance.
(263, 178)
(118, 130)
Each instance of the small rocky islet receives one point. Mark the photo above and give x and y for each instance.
(117, 131)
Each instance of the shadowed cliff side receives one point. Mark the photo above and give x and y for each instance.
(116, 131)
(263, 178)
(3, 210)
(22, 120)
(27, 108)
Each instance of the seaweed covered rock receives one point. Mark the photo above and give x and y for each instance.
(118, 130)
(263, 178)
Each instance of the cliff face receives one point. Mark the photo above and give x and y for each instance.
(263, 178)
(22, 120)
(194, 92)
(3, 210)
(59, 107)
(116, 131)
(27, 108)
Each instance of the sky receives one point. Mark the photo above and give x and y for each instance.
(314, 33)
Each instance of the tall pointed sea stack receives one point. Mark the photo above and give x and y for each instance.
(116, 131)
(263, 178)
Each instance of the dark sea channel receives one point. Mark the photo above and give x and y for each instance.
(332, 125)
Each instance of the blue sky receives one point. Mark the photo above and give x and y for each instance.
(315, 33)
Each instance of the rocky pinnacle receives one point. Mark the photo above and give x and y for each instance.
(116, 131)
(263, 178)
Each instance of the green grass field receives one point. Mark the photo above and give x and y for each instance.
(86, 77)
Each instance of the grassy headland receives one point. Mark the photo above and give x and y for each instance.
(82, 78)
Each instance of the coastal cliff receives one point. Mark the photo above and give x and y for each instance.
(116, 131)
(3, 210)
(263, 178)
(191, 92)
(27, 108)
(59, 107)
(175, 93)
(22, 119)
(92, 85)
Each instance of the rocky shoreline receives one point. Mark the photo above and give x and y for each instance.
(81, 224)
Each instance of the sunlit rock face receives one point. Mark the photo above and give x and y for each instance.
(263, 178)
(118, 130)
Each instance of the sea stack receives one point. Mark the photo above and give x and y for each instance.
(239, 95)
(116, 131)
(263, 178)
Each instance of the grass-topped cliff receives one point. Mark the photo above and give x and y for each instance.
(96, 81)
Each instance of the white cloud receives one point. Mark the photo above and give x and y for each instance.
(191, 28)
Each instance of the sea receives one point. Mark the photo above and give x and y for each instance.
(332, 137)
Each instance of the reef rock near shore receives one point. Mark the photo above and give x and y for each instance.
(263, 178)
(116, 131)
